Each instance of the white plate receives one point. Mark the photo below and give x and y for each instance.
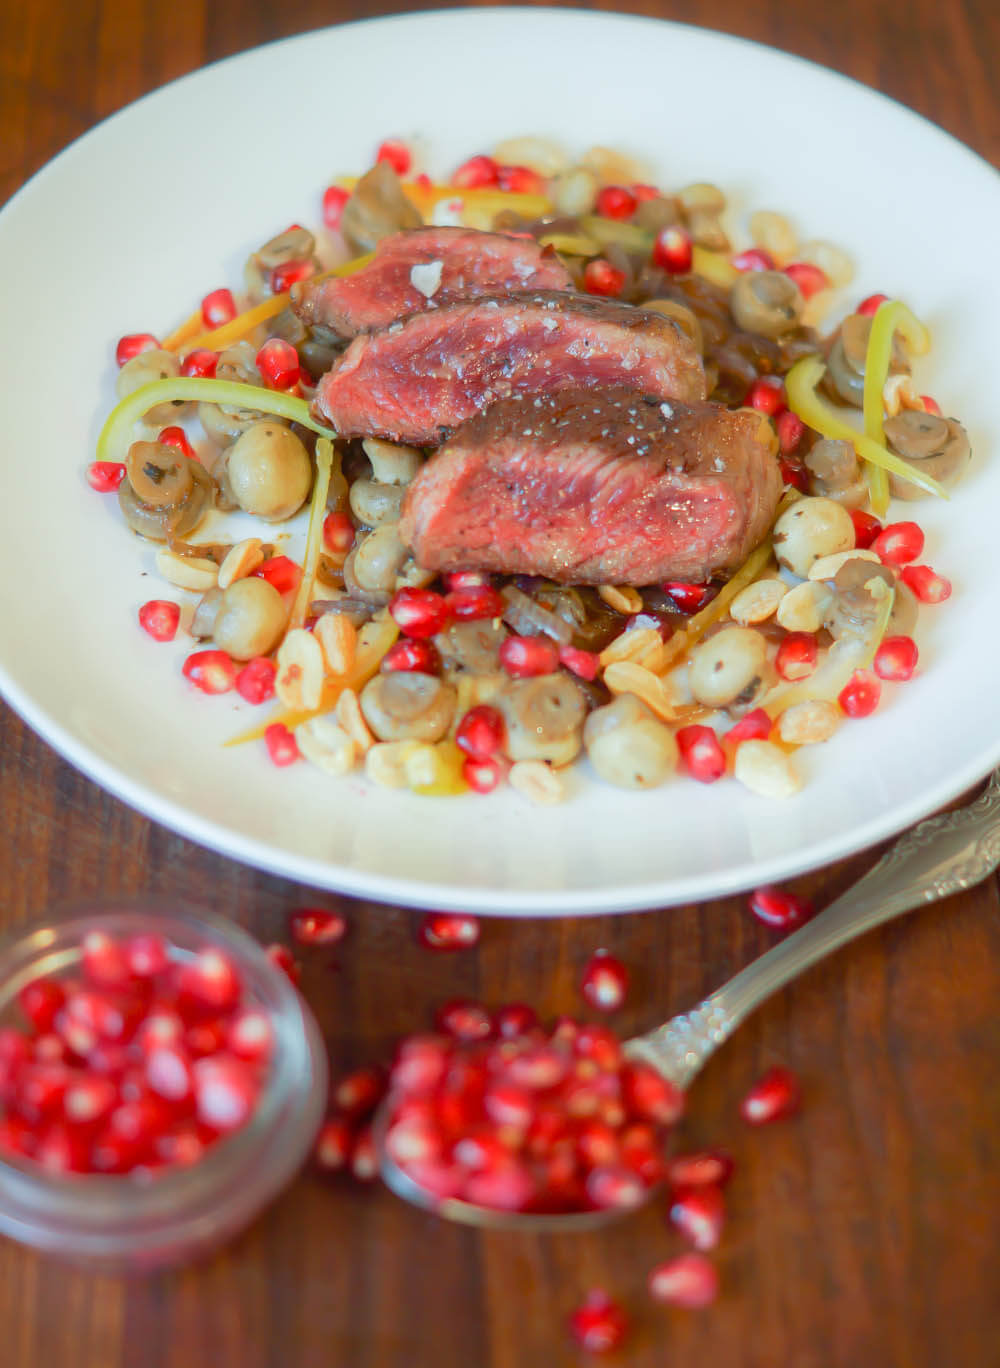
(133, 223)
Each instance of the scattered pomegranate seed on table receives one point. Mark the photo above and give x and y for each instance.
(449, 930)
(282, 958)
(316, 926)
(599, 1325)
(774, 1095)
(332, 1150)
(701, 1168)
(255, 682)
(604, 982)
(780, 907)
(689, 1280)
(699, 1214)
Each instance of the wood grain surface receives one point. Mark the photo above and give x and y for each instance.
(862, 1234)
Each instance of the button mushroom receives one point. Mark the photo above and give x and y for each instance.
(472, 645)
(373, 503)
(164, 493)
(835, 472)
(377, 208)
(628, 746)
(856, 599)
(392, 462)
(143, 369)
(250, 618)
(767, 302)
(729, 670)
(376, 561)
(939, 445)
(544, 717)
(845, 374)
(294, 244)
(408, 706)
(269, 471)
(811, 528)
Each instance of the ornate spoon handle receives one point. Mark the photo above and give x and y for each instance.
(941, 855)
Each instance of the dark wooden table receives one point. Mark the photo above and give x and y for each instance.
(863, 1233)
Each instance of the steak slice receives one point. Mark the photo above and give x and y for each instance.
(452, 264)
(596, 488)
(419, 379)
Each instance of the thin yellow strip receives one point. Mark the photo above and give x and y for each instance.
(682, 641)
(183, 332)
(324, 464)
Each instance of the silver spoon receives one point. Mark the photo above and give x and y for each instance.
(941, 855)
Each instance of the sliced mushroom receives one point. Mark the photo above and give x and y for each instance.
(377, 208)
(856, 599)
(845, 375)
(767, 302)
(294, 244)
(180, 489)
(729, 669)
(407, 705)
(250, 618)
(373, 503)
(628, 746)
(940, 446)
(835, 472)
(269, 471)
(544, 717)
(226, 423)
(473, 645)
(143, 369)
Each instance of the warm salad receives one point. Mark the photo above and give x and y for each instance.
(585, 477)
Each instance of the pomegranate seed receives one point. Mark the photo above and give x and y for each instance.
(673, 250)
(334, 199)
(871, 304)
(142, 1120)
(176, 437)
(515, 1019)
(598, 1045)
(338, 533)
(146, 955)
(507, 1105)
(899, 543)
(615, 202)
(205, 1038)
(103, 959)
(315, 926)
(690, 598)
(615, 1186)
(504, 1187)
(200, 363)
(541, 1068)
(111, 1015)
(449, 930)
(481, 732)
(797, 655)
(218, 307)
(705, 1168)
(89, 1099)
(642, 1152)
(282, 279)
(333, 1145)
(753, 259)
(584, 664)
(470, 603)
(61, 1151)
(421, 1063)
(210, 981)
(465, 1020)
(601, 278)
(283, 573)
(482, 776)
(690, 1280)
(866, 528)
(794, 475)
(925, 584)
(780, 907)
(225, 1092)
(181, 1148)
(791, 430)
(520, 180)
(699, 1214)
(281, 746)
(17, 1136)
(397, 154)
(411, 654)
(466, 579)
(255, 682)
(931, 405)
(413, 1141)
(809, 278)
(701, 753)
(160, 618)
(650, 1096)
(896, 658)
(364, 1160)
(213, 672)
(774, 1095)
(162, 1026)
(419, 613)
(755, 726)
(860, 695)
(282, 958)
(278, 362)
(767, 395)
(169, 1073)
(105, 476)
(525, 656)
(134, 344)
(250, 1034)
(597, 1144)
(599, 1325)
(40, 1001)
(604, 982)
(357, 1094)
(644, 192)
(476, 173)
(480, 1150)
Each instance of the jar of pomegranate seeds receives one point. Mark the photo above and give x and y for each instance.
(161, 1081)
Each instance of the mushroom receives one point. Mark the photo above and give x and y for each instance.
(939, 445)
(845, 375)
(854, 607)
(143, 369)
(225, 423)
(164, 493)
(294, 244)
(544, 718)
(835, 472)
(250, 618)
(811, 528)
(767, 302)
(407, 705)
(473, 645)
(392, 463)
(376, 209)
(653, 215)
(269, 471)
(373, 503)
(628, 746)
(729, 670)
(376, 561)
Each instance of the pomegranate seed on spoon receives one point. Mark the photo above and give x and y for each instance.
(449, 930)
(689, 1280)
(357, 1094)
(364, 1159)
(282, 958)
(774, 1095)
(699, 1214)
(604, 982)
(650, 1096)
(599, 1325)
(779, 907)
(896, 658)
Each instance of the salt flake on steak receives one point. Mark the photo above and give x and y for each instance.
(426, 277)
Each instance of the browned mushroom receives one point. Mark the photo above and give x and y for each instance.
(939, 446)
(164, 494)
(377, 208)
(766, 302)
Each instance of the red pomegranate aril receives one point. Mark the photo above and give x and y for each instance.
(177, 438)
(597, 1144)
(699, 1214)
(615, 1186)
(780, 907)
(364, 1159)
(702, 1168)
(644, 192)
(421, 1063)
(146, 955)
(690, 598)
(250, 1035)
(642, 1151)
(134, 344)
(584, 664)
(160, 619)
(673, 250)
(281, 745)
(162, 1026)
(689, 1280)
(111, 1014)
(604, 982)
(103, 960)
(599, 1325)
(791, 430)
(338, 533)
(794, 475)
(481, 732)
(200, 363)
(507, 1186)
(282, 958)
(334, 199)
(412, 654)
(598, 1045)
(169, 1073)
(17, 1136)
(525, 656)
(507, 1105)
(213, 672)
(105, 476)
(601, 278)
(925, 584)
(60, 1149)
(437, 1176)
(520, 180)
(255, 682)
(108, 1058)
(316, 926)
(870, 304)
(809, 278)
(181, 1147)
(861, 694)
(476, 173)
(218, 307)
(80, 1037)
(540, 1068)
(651, 1097)
(754, 726)
(866, 528)
(899, 543)
(465, 1020)
(225, 1092)
(702, 755)
(753, 259)
(89, 1099)
(767, 395)
(931, 405)
(210, 981)
(280, 571)
(282, 279)
(397, 154)
(413, 1141)
(514, 1019)
(333, 1145)
(797, 655)
(473, 602)
(616, 202)
(482, 776)
(896, 658)
(40, 1001)
(774, 1095)
(40, 1089)
(419, 613)
(466, 579)
(205, 1037)
(479, 1150)
(449, 930)
(357, 1094)
(112, 1152)
(278, 362)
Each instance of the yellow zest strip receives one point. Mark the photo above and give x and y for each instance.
(324, 463)
(890, 317)
(800, 385)
(682, 641)
(184, 332)
(610, 232)
(485, 197)
(117, 432)
(571, 244)
(713, 266)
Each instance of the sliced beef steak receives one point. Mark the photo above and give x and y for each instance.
(427, 268)
(596, 488)
(419, 379)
